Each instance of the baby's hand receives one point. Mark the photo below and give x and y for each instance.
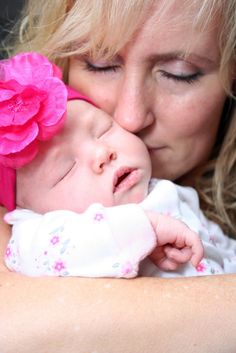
(176, 243)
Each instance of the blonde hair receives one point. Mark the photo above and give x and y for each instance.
(61, 28)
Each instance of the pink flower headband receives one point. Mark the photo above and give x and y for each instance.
(33, 102)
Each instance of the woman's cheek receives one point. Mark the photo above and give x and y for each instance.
(198, 114)
(101, 89)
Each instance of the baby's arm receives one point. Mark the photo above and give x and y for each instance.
(101, 242)
(176, 243)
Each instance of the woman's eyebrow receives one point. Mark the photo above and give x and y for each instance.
(181, 55)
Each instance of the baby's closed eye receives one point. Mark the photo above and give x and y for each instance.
(63, 173)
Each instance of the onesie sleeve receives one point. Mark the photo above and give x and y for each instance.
(101, 242)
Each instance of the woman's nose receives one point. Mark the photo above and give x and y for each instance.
(133, 106)
(102, 156)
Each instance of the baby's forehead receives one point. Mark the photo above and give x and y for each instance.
(78, 115)
(76, 107)
(81, 120)
(81, 114)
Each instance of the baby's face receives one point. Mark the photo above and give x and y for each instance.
(91, 160)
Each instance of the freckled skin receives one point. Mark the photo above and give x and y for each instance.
(199, 305)
(172, 102)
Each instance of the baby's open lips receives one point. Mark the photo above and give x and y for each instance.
(123, 178)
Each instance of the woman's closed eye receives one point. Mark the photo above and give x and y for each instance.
(179, 71)
(102, 66)
(182, 77)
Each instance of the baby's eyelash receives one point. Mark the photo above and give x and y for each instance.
(65, 174)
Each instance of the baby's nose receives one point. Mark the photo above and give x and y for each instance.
(102, 157)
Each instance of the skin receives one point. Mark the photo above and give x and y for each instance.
(87, 169)
(173, 102)
(180, 315)
(26, 327)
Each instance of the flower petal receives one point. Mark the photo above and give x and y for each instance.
(17, 160)
(15, 140)
(27, 68)
(9, 89)
(54, 109)
(32, 104)
(20, 108)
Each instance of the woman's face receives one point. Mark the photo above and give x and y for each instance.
(173, 102)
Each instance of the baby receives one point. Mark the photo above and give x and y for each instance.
(66, 223)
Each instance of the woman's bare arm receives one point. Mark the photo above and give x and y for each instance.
(146, 315)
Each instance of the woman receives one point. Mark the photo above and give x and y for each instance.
(166, 73)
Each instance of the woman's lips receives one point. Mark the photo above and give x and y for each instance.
(125, 178)
(153, 149)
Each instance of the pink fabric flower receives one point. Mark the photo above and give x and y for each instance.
(8, 252)
(55, 239)
(201, 267)
(59, 266)
(98, 217)
(32, 106)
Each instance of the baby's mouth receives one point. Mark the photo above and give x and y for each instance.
(124, 178)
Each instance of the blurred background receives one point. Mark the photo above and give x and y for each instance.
(10, 10)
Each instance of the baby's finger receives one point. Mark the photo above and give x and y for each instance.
(193, 241)
(178, 255)
(197, 256)
(168, 265)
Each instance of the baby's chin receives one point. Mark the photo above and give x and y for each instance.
(135, 197)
